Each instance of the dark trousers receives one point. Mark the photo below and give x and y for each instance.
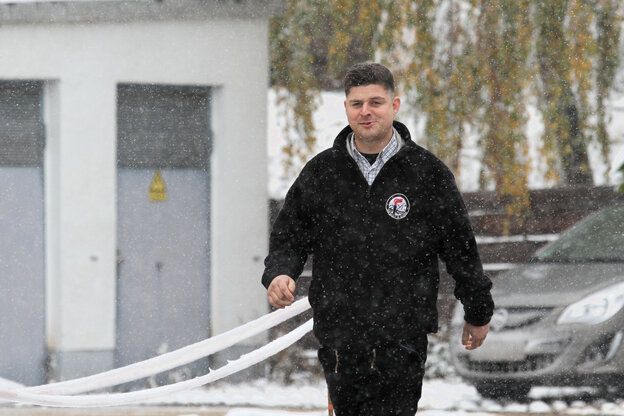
(377, 380)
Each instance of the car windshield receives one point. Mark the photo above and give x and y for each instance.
(599, 238)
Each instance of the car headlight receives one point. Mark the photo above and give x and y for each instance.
(595, 308)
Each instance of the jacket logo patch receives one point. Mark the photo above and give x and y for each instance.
(398, 206)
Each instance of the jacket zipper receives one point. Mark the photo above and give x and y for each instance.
(374, 357)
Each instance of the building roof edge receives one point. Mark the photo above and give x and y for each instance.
(95, 11)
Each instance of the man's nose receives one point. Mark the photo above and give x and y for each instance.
(365, 108)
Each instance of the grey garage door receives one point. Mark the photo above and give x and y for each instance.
(22, 278)
(163, 221)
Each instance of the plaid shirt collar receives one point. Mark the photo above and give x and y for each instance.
(370, 171)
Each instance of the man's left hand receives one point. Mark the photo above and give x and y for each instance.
(473, 336)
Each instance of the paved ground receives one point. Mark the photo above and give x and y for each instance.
(199, 411)
(204, 411)
(116, 411)
(221, 411)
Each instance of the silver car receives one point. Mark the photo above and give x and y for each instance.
(559, 319)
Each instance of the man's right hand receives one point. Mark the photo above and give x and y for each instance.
(280, 291)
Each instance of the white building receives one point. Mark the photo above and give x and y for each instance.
(133, 197)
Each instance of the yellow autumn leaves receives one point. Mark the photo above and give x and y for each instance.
(470, 67)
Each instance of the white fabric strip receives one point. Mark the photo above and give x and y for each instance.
(172, 359)
(116, 399)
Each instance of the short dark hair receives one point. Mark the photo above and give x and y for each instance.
(367, 73)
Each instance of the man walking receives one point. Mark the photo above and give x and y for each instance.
(376, 211)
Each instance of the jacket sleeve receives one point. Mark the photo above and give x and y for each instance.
(459, 253)
(289, 240)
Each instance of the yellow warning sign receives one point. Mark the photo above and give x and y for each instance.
(157, 190)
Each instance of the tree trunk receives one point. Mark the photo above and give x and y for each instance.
(574, 160)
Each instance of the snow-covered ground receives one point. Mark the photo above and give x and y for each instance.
(441, 397)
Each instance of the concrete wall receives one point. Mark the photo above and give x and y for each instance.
(82, 60)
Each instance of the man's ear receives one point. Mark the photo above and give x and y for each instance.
(396, 104)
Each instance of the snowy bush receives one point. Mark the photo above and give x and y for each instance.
(438, 356)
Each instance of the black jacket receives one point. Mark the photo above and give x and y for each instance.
(375, 273)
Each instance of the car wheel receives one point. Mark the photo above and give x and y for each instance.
(503, 390)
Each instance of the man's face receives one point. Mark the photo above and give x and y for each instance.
(370, 111)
